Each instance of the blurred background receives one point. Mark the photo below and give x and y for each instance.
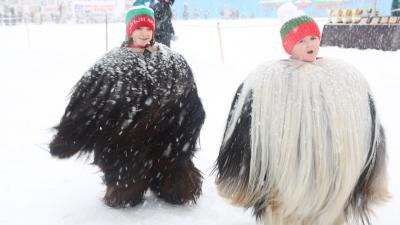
(14, 12)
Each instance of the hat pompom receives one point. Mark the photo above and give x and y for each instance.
(288, 11)
(141, 2)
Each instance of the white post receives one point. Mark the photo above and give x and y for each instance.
(28, 36)
(220, 43)
(106, 33)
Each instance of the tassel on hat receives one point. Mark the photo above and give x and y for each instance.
(296, 26)
(139, 15)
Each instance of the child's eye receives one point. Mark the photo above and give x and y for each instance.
(313, 38)
(301, 41)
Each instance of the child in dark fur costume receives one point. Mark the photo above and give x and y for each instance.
(303, 143)
(138, 110)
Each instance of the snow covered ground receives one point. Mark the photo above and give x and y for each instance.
(40, 64)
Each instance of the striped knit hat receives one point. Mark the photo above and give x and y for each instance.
(139, 15)
(296, 26)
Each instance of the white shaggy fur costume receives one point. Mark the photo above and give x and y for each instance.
(303, 145)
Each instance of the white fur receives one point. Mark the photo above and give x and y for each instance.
(310, 138)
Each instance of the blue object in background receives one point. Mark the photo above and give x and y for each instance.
(251, 8)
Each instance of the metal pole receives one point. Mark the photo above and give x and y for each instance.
(106, 33)
(220, 43)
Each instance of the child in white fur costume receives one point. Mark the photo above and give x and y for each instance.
(303, 144)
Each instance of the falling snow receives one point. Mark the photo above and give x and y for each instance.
(38, 73)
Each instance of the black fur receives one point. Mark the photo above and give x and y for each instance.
(233, 161)
(236, 150)
(358, 202)
(234, 157)
(141, 116)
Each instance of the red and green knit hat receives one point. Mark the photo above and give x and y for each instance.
(139, 15)
(296, 26)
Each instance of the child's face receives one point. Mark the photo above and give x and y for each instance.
(306, 49)
(142, 36)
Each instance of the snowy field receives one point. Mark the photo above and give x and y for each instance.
(40, 64)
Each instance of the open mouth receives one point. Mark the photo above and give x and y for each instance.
(310, 52)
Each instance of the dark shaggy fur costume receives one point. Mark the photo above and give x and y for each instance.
(141, 117)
